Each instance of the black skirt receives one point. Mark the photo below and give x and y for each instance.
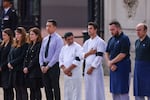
(16, 79)
(33, 82)
(4, 79)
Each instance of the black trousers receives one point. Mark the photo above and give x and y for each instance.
(21, 93)
(35, 84)
(8, 93)
(35, 94)
(51, 83)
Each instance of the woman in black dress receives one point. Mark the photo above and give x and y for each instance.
(31, 64)
(15, 63)
(5, 47)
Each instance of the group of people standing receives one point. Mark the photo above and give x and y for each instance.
(71, 59)
(117, 55)
(19, 67)
(118, 60)
(28, 61)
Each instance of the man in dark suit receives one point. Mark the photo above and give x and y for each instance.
(9, 18)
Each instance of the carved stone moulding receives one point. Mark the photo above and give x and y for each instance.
(131, 6)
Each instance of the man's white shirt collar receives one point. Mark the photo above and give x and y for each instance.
(6, 9)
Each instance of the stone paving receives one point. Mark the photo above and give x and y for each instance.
(107, 93)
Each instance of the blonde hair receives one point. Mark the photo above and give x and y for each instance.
(21, 31)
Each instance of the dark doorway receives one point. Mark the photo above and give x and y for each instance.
(96, 14)
(29, 12)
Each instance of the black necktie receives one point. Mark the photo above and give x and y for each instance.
(47, 46)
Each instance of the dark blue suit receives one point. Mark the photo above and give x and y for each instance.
(9, 19)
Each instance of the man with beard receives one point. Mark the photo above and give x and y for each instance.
(118, 60)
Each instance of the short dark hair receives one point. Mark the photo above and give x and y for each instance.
(116, 23)
(68, 34)
(52, 21)
(93, 24)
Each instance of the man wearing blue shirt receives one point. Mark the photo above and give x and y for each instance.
(142, 64)
(49, 58)
(118, 60)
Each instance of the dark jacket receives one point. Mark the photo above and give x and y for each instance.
(16, 57)
(31, 61)
(9, 19)
(4, 51)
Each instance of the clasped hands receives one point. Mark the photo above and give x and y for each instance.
(90, 70)
(44, 69)
(25, 70)
(112, 66)
(10, 66)
(67, 71)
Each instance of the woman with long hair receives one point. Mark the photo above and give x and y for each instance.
(32, 69)
(5, 47)
(15, 63)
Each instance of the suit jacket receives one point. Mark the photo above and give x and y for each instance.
(4, 51)
(9, 19)
(31, 60)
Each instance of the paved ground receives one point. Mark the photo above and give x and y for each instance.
(107, 94)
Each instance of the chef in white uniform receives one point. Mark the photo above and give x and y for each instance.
(94, 49)
(71, 65)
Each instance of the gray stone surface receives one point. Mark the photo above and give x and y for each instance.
(107, 93)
